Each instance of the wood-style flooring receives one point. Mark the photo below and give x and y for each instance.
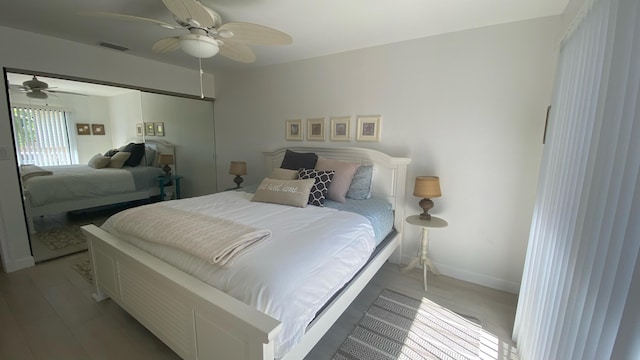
(46, 312)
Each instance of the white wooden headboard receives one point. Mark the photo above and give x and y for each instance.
(389, 172)
(162, 147)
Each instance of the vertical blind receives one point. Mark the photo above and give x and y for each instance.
(41, 135)
(584, 240)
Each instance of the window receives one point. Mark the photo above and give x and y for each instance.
(41, 135)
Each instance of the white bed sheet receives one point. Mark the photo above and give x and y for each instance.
(312, 253)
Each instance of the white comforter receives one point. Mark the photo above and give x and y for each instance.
(313, 252)
(71, 182)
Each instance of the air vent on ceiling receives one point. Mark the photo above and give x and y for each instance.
(113, 46)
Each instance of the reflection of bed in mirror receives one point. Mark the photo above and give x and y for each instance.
(202, 320)
(57, 189)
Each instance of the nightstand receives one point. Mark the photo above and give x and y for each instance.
(434, 223)
(166, 181)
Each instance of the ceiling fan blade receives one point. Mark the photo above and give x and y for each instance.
(236, 51)
(128, 18)
(63, 92)
(166, 45)
(190, 9)
(17, 87)
(248, 33)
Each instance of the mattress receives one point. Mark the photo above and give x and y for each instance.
(312, 254)
(72, 182)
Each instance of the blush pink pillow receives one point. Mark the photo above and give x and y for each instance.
(341, 179)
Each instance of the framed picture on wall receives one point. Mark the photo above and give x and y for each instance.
(149, 129)
(294, 129)
(368, 128)
(340, 128)
(139, 131)
(159, 128)
(315, 129)
(83, 129)
(97, 129)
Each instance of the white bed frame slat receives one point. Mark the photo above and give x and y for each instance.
(198, 321)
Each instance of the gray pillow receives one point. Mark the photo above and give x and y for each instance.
(360, 187)
(284, 174)
(284, 192)
(341, 179)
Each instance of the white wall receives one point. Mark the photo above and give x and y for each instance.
(469, 107)
(188, 125)
(24, 50)
(125, 111)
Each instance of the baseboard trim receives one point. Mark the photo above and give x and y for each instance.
(19, 264)
(472, 277)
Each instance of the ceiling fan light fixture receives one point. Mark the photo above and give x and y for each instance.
(37, 94)
(200, 46)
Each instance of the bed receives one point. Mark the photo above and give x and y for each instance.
(197, 320)
(80, 186)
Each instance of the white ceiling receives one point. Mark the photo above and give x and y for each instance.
(318, 27)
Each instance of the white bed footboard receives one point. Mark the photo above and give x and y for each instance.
(194, 319)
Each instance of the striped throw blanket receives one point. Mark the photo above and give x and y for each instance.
(218, 241)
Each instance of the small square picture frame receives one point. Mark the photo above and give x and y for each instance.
(83, 129)
(97, 129)
(294, 129)
(139, 129)
(315, 129)
(341, 128)
(149, 129)
(159, 128)
(368, 128)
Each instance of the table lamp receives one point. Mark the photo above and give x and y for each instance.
(238, 168)
(426, 187)
(166, 160)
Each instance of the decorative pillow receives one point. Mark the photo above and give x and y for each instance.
(149, 155)
(284, 192)
(111, 152)
(284, 174)
(137, 153)
(98, 161)
(342, 178)
(118, 160)
(322, 181)
(360, 187)
(294, 161)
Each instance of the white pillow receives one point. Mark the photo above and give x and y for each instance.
(118, 160)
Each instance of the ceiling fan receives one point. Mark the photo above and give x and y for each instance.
(37, 89)
(207, 35)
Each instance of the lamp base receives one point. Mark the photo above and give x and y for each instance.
(238, 180)
(167, 170)
(426, 205)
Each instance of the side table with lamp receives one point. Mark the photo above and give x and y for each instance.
(166, 180)
(426, 187)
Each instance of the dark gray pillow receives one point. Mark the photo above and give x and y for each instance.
(111, 152)
(137, 153)
(294, 161)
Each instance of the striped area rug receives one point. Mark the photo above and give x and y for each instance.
(400, 327)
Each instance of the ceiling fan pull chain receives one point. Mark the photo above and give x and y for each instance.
(200, 68)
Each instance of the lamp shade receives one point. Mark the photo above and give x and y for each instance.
(238, 168)
(200, 46)
(427, 187)
(165, 159)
